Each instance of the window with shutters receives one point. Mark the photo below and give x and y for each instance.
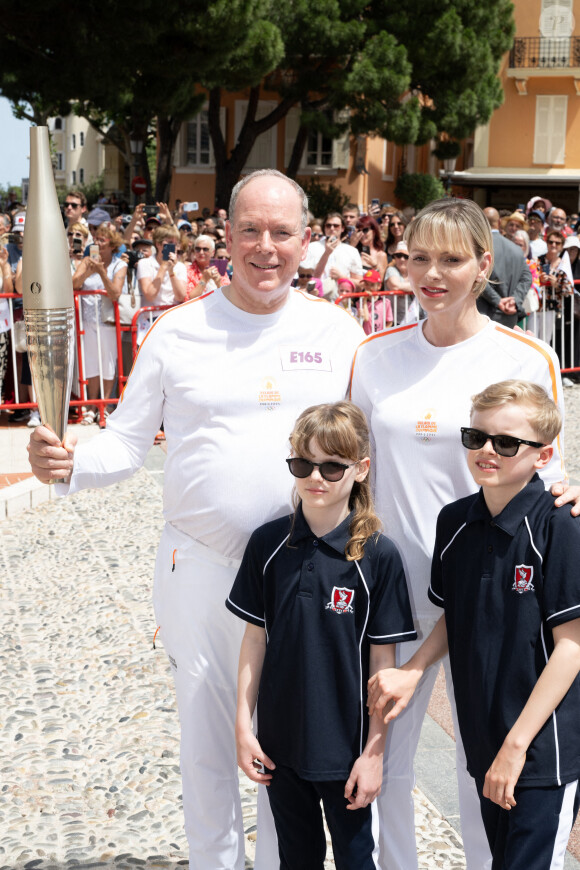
(322, 155)
(198, 143)
(556, 27)
(550, 132)
(193, 149)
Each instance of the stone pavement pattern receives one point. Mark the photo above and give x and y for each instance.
(89, 736)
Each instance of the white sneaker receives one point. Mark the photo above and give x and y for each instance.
(566, 382)
(34, 420)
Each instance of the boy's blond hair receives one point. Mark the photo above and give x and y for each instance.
(543, 413)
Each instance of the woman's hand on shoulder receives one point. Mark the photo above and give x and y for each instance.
(566, 494)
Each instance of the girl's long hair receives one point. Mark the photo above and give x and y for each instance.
(340, 429)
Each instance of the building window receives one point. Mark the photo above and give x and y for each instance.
(321, 153)
(59, 161)
(73, 142)
(198, 141)
(81, 139)
(73, 177)
(318, 149)
(550, 132)
(58, 123)
(82, 174)
(556, 27)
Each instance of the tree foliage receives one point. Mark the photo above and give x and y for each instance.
(406, 71)
(131, 71)
(418, 189)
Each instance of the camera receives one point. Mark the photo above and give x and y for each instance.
(77, 246)
(150, 210)
(134, 257)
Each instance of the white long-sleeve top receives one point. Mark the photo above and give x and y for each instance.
(228, 386)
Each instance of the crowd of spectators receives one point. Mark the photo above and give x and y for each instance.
(157, 257)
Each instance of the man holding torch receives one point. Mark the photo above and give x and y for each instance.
(227, 374)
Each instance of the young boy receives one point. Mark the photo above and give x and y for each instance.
(505, 570)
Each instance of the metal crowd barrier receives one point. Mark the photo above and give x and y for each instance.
(559, 328)
(401, 304)
(127, 347)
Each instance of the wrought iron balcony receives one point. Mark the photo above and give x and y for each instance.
(538, 52)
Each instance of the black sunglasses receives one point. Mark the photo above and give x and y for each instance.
(401, 256)
(331, 471)
(504, 445)
(72, 204)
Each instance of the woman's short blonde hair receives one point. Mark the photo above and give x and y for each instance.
(543, 414)
(162, 234)
(453, 225)
(109, 232)
(79, 228)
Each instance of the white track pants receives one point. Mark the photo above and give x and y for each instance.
(397, 842)
(202, 640)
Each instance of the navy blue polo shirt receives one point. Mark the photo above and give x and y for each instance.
(321, 613)
(504, 583)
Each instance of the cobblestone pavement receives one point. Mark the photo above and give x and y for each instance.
(89, 731)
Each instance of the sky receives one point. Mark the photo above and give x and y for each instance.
(14, 146)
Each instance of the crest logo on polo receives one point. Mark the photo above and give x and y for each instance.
(341, 600)
(523, 576)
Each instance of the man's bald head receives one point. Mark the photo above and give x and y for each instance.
(492, 216)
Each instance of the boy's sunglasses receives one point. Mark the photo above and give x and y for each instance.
(504, 445)
(331, 471)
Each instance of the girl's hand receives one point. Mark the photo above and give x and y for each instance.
(356, 238)
(502, 777)
(366, 778)
(249, 749)
(391, 684)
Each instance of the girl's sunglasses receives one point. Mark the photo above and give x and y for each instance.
(503, 445)
(331, 471)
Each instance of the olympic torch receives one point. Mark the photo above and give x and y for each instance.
(47, 291)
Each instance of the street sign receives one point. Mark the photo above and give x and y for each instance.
(138, 185)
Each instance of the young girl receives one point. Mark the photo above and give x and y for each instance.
(325, 599)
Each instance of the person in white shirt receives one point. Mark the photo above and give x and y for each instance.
(538, 246)
(228, 373)
(334, 258)
(162, 279)
(415, 385)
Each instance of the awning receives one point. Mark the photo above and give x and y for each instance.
(484, 176)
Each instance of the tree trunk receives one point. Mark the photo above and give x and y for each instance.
(167, 133)
(297, 152)
(229, 169)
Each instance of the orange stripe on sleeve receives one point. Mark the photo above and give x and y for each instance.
(372, 338)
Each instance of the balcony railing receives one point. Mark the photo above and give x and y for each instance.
(538, 52)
